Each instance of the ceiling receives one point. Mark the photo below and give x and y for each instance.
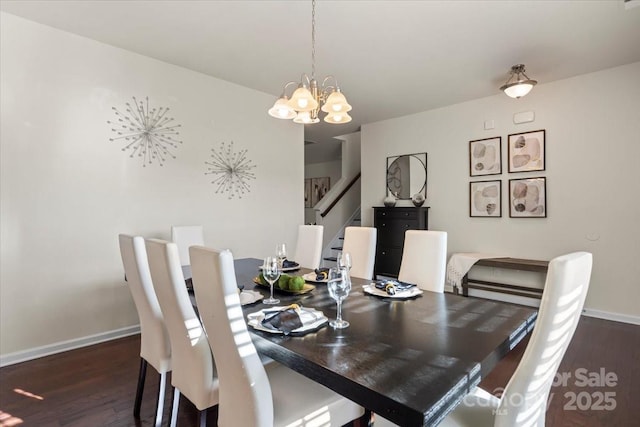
(391, 58)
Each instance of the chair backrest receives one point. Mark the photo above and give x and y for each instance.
(424, 259)
(184, 236)
(154, 339)
(360, 242)
(309, 246)
(194, 372)
(245, 393)
(524, 401)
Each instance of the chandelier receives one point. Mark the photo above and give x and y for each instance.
(309, 98)
(520, 86)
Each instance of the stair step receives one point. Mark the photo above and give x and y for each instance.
(331, 258)
(337, 248)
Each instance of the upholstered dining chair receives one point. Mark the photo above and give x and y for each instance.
(309, 246)
(194, 373)
(424, 259)
(184, 236)
(524, 400)
(155, 349)
(253, 395)
(360, 242)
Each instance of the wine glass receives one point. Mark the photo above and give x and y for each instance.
(344, 260)
(281, 252)
(271, 273)
(339, 286)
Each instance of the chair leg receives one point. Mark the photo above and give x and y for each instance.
(141, 377)
(160, 404)
(202, 418)
(174, 407)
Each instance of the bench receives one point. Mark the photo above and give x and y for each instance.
(511, 264)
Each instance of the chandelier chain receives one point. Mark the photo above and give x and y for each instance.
(313, 39)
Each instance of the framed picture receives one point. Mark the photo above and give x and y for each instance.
(485, 156)
(528, 198)
(319, 187)
(485, 199)
(526, 151)
(307, 193)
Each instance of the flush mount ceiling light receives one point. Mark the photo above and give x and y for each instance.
(519, 84)
(309, 97)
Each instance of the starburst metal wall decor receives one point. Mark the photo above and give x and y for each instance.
(149, 133)
(231, 171)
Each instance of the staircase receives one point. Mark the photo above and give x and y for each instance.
(329, 253)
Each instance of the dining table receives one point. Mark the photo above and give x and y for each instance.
(411, 361)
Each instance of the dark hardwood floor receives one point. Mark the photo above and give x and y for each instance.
(95, 386)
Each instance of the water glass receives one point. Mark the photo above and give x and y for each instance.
(281, 253)
(271, 273)
(339, 286)
(344, 260)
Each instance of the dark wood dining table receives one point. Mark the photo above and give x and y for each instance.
(410, 361)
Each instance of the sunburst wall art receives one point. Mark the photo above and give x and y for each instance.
(148, 132)
(231, 170)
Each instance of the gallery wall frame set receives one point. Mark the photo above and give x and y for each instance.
(527, 197)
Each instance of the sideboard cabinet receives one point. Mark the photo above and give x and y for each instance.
(391, 224)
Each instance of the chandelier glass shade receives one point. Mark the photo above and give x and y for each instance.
(518, 84)
(309, 98)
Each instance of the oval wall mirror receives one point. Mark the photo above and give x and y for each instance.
(407, 175)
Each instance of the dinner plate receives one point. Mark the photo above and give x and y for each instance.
(305, 289)
(318, 320)
(286, 269)
(409, 293)
(250, 297)
(311, 277)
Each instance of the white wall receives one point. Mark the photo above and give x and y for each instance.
(592, 127)
(67, 191)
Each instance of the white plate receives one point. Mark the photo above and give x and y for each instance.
(409, 293)
(311, 277)
(249, 297)
(311, 318)
(286, 269)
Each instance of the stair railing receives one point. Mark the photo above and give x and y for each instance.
(339, 196)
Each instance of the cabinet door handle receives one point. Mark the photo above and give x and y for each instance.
(384, 253)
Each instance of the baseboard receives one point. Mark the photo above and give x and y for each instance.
(616, 317)
(62, 346)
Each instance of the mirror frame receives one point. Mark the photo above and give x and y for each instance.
(422, 158)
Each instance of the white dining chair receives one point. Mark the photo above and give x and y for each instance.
(309, 246)
(360, 242)
(424, 259)
(524, 400)
(194, 373)
(155, 349)
(252, 395)
(184, 236)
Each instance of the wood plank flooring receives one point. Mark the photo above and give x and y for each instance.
(95, 386)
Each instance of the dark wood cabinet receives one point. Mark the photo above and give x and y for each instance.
(391, 224)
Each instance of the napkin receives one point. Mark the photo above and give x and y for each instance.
(321, 274)
(393, 286)
(289, 264)
(285, 320)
